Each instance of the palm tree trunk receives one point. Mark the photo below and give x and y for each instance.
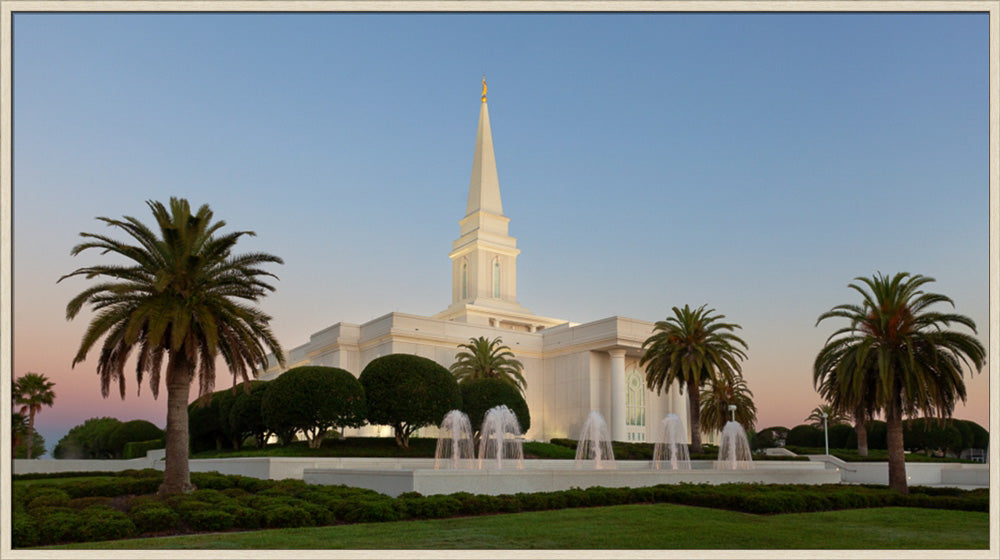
(694, 404)
(31, 432)
(176, 473)
(861, 431)
(894, 442)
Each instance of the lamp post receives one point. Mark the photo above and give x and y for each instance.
(732, 412)
(826, 436)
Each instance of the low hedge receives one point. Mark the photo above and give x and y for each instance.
(52, 513)
(138, 449)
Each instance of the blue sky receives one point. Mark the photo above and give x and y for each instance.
(753, 162)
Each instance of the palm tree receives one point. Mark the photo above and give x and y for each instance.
(719, 395)
(689, 349)
(31, 392)
(833, 415)
(488, 359)
(177, 299)
(914, 363)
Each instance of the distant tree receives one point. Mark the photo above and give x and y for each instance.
(31, 392)
(919, 360)
(18, 429)
(37, 447)
(246, 417)
(690, 349)
(771, 437)
(833, 416)
(805, 435)
(133, 430)
(88, 440)
(488, 359)
(480, 395)
(719, 395)
(408, 392)
(177, 295)
(314, 399)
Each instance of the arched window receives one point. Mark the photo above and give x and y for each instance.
(496, 278)
(465, 279)
(635, 407)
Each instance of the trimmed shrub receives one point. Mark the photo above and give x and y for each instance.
(209, 519)
(154, 518)
(771, 437)
(51, 497)
(23, 531)
(313, 399)
(838, 435)
(101, 523)
(133, 430)
(138, 449)
(88, 440)
(283, 515)
(805, 435)
(57, 525)
(480, 395)
(407, 392)
(246, 416)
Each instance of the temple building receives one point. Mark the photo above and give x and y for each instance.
(571, 369)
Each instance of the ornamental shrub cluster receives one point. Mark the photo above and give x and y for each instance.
(126, 506)
(400, 390)
(105, 438)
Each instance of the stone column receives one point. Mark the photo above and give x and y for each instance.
(617, 420)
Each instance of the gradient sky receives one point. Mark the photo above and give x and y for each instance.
(753, 162)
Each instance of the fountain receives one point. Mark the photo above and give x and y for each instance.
(595, 443)
(455, 449)
(734, 449)
(500, 438)
(670, 446)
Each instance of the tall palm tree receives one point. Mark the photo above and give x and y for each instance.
(177, 298)
(719, 395)
(915, 363)
(834, 416)
(31, 392)
(689, 349)
(488, 359)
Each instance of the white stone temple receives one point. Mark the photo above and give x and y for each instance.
(571, 369)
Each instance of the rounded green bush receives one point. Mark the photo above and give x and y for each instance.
(245, 517)
(23, 531)
(408, 392)
(53, 498)
(57, 525)
(282, 515)
(209, 519)
(102, 523)
(81, 503)
(480, 395)
(313, 399)
(131, 431)
(154, 518)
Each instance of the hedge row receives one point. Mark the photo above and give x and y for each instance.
(125, 507)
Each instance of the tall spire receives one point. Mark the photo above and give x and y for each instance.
(484, 188)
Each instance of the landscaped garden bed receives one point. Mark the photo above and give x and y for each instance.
(74, 509)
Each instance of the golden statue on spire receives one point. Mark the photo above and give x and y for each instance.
(484, 88)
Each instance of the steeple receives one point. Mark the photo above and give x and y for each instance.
(484, 188)
(484, 257)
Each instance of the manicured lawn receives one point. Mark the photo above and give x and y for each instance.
(661, 526)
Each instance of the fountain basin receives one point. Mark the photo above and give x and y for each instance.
(552, 475)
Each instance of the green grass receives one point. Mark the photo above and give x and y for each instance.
(661, 526)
